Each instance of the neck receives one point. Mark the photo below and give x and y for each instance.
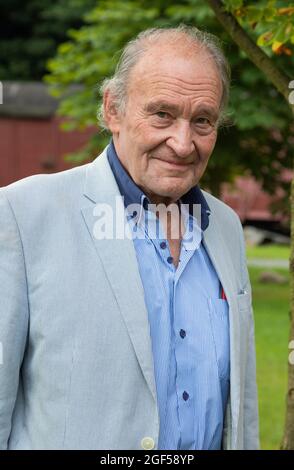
(155, 199)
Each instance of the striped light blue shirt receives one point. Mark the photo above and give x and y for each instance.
(189, 323)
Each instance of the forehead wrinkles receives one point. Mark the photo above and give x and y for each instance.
(157, 86)
(181, 86)
(165, 71)
(168, 60)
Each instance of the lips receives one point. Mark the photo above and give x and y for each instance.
(174, 164)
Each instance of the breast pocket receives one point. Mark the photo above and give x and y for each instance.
(219, 318)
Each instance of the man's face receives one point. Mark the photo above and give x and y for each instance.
(167, 131)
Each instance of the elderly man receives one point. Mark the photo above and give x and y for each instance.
(143, 340)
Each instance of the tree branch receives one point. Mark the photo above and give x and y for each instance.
(278, 78)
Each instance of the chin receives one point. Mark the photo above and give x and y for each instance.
(170, 188)
(177, 192)
(170, 194)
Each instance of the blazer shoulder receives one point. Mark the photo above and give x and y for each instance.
(34, 190)
(221, 210)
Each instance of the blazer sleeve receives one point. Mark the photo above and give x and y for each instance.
(250, 404)
(14, 312)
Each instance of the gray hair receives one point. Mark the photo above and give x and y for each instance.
(134, 50)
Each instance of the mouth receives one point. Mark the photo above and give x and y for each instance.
(180, 166)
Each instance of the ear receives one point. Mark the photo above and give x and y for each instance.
(112, 116)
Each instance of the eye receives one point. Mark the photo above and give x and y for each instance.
(203, 121)
(162, 115)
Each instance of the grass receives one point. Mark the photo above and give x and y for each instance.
(271, 307)
(269, 251)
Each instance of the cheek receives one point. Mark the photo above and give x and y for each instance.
(146, 136)
(212, 140)
(206, 145)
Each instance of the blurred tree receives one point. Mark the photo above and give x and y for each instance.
(256, 138)
(30, 32)
(272, 24)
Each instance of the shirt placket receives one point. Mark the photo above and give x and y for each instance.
(181, 343)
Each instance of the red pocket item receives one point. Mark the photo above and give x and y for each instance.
(223, 295)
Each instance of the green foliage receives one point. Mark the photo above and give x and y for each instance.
(259, 120)
(271, 20)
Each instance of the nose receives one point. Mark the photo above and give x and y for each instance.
(181, 139)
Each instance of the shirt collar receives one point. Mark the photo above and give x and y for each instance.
(134, 195)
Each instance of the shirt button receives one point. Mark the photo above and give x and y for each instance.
(185, 396)
(182, 333)
(147, 443)
(163, 245)
(170, 259)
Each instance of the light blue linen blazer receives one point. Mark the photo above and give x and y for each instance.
(76, 369)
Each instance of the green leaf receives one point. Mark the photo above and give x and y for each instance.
(265, 39)
(253, 14)
(231, 5)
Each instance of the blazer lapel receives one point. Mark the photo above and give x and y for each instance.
(119, 261)
(221, 259)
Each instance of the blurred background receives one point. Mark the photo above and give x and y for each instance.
(54, 55)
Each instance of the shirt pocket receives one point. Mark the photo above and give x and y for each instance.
(219, 319)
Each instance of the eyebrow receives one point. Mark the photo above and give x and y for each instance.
(155, 106)
(207, 110)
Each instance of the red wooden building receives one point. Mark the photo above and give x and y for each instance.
(31, 140)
